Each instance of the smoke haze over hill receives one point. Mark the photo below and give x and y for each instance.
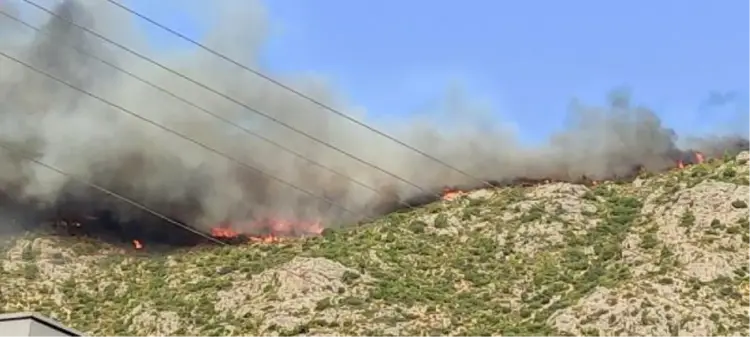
(89, 139)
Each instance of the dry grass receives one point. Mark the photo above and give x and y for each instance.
(663, 255)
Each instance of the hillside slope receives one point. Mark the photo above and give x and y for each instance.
(663, 255)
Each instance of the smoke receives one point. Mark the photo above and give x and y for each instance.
(94, 141)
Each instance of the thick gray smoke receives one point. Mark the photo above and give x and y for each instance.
(94, 141)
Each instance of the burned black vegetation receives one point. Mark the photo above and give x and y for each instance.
(140, 229)
(81, 211)
(680, 158)
(57, 125)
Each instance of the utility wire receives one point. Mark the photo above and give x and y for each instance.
(132, 202)
(227, 97)
(204, 110)
(135, 203)
(108, 192)
(160, 126)
(138, 205)
(296, 92)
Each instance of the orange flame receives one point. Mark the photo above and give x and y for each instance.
(699, 158)
(137, 244)
(450, 194)
(223, 233)
(266, 239)
(277, 230)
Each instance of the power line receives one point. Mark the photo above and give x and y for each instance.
(131, 202)
(162, 127)
(108, 192)
(225, 96)
(204, 110)
(134, 203)
(296, 92)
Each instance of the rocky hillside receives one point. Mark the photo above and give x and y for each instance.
(663, 255)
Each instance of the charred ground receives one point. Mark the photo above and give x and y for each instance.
(87, 212)
(192, 187)
(662, 254)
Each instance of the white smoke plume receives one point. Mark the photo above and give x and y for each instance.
(89, 139)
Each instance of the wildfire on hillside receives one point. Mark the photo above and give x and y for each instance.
(688, 158)
(141, 233)
(274, 230)
(451, 193)
(269, 230)
(229, 176)
(695, 158)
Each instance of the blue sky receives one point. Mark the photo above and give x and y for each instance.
(686, 59)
